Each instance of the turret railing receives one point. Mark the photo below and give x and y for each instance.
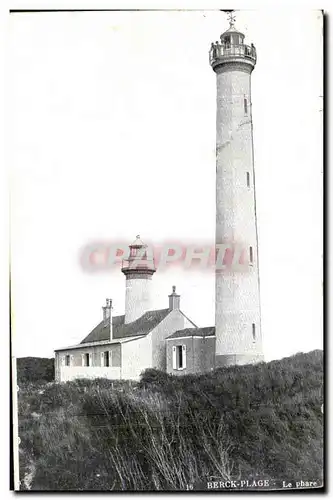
(138, 264)
(225, 51)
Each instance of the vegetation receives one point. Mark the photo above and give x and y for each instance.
(35, 370)
(257, 421)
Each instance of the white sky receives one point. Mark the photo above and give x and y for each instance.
(112, 133)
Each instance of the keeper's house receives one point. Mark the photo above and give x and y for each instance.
(122, 347)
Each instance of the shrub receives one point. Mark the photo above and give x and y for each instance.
(35, 370)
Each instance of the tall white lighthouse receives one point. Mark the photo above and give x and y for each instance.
(237, 300)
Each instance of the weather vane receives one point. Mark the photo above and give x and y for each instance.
(231, 19)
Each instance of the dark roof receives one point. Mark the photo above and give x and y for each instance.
(142, 326)
(207, 331)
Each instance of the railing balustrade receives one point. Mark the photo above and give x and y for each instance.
(219, 51)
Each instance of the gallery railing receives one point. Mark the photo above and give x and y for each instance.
(219, 51)
(138, 264)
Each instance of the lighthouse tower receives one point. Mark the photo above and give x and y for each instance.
(138, 269)
(237, 301)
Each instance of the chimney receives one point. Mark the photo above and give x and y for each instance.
(174, 299)
(110, 316)
(107, 309)
(107, 314)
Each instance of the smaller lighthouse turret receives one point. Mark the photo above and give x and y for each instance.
(138, 269)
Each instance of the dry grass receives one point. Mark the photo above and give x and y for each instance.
(112, 440)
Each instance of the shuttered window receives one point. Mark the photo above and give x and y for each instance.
(179, 357)
(106, 358)
(86, 359)
(174, 358)
(184, 356)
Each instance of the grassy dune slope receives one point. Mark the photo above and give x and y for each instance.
(239, 422)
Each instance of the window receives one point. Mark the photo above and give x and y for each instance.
(251, 255)
(227, 40)
(106, 358)
(179, 357)
(245, 105)
(67, 360)
(87, 359)
(254, 332)
(248, 179)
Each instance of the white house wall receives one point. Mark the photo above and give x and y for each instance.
(171, 323)
(68, 373)
(129, 359)
(63, 372)
(136, 357)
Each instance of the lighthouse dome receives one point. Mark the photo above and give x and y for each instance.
(232, 36)
(138, 243)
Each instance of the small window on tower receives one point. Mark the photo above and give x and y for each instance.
(87, 359)
(245, 105)
(254, 332)
(68, 360)
(248, 179)
(251, 255)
